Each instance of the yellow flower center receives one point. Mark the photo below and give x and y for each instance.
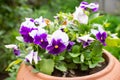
(56, 46)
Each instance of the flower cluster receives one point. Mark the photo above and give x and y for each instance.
(71, 41)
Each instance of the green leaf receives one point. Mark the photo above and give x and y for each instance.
(97, 49)
(76, 49)
(112, 42)
(98, 19)
(46, 66)
(74, 54)
(82, 58)
(72, 66)
(59, 58)
(61, 66)
(84, 67)
(93, 16)
(13, 63)
(92, 65)
(98, 60)
(76, 60)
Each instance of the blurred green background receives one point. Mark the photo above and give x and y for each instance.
(13, 12)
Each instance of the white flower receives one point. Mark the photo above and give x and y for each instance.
(28, 23)
(11, 46)
(80, 16)
(40, 22)
(32, 56)
(85, 38)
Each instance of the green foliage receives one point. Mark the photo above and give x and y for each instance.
(14, 11)
(46, 66)
(112, 42)
(62, 66)
(13, 73)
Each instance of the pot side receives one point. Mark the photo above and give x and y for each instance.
(110, 72)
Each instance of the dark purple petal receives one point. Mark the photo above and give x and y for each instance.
(85, 43)
(104, 35)
(41, 40)
(16, 52)
(24, 31)
(27, 60)
(32, 20)
(85, 3)
(56, 47)
(62, 29)
(27, 38)
(95, 9)
(83, 7)
(98, 36)
(101, 37)
(70, 45)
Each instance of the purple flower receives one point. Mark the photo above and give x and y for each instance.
(100, 34)
(15, 49)
(101, 37)
(32, 56)
(70, 44)
(56, 46)
(41, 40)
(93, 6)
(57, 42)
(26, 28)
(85, 40)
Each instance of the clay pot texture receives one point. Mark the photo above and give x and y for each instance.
(110, 72)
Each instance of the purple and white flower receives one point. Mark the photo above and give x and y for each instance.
(15, 49)
(85, 40)
(93, 6)
(58, 42)
(100, 34)
(40, 37)
(26, 28)
(32, 56)
(80, 16)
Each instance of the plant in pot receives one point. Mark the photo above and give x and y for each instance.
(68, 48)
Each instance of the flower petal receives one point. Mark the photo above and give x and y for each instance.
(29, 57)
(35, 57)
(56, 47)
(60, 35)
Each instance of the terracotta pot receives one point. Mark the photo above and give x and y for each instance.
(110, 72)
